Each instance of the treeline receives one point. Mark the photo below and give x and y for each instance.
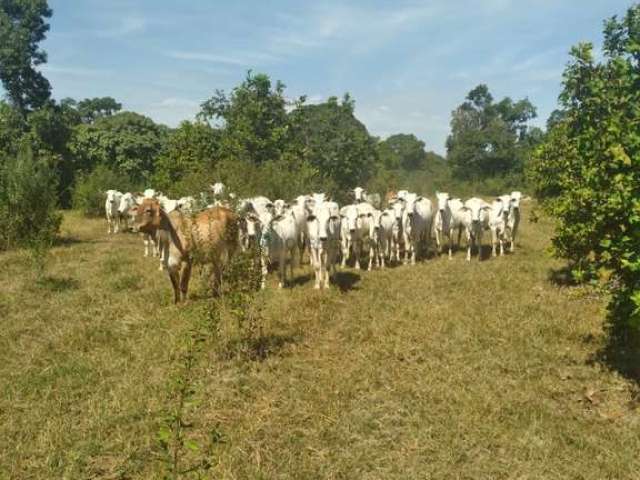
(252, 138)
(256, 140)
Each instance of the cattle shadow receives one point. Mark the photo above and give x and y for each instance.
(562, 277)
(300, 280)
(345, 281)
(257, 349)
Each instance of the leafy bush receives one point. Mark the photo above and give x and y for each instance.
(28, 200)
(588, 170)
(89, 192)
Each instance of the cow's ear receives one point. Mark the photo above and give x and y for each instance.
(370, 215)
(311, 218)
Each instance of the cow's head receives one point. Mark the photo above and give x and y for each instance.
(359, 194)
(515, 200)
(323, 222)
(279, 207)
(132, 215)
(350, 216)
(218, 189)
(478, 209)
(150, 193)
(126, 201)
(398, 209)
(148, 215)
(410, 200)
(443, 200)
(113, 197)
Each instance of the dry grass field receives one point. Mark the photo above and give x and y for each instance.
(445, 370)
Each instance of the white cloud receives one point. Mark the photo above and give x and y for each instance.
(173, 102)
(240, 58)
(125, 26)
(75, 71)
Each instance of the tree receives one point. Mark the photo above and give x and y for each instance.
(191, 149)
(22, 27)
(126, 142)
(335, 143)
(254, 119)
(488, 138)
(402, 151)
(588, 169)
(90, 109)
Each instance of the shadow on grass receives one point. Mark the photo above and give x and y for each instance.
(621, 352)
(57, 284)
(562, 277)
(257, 349)
(345, 281)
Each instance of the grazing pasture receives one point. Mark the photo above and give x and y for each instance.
(448, 369)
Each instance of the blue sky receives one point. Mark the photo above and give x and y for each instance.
(406, 63)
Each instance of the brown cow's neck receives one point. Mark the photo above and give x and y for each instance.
(176, 238)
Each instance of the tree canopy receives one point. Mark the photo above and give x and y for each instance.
(588, 169)
(23, 26)
(489, 138)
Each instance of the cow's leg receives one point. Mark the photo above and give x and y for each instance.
(494, 241)
(469, 244)
(282, 266)
(479, 239)
(146, 238)
(450, 245)
(293, 254)
(174, 276)
(315, 261)
(513, 239)
(264, 270)
(414, 250)
(501, 239)
(357, 251)
(459, 236)
(185, 276)
(345, 252)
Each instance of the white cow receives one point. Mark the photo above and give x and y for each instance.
(513, 218)
(498, 224)
(256, 212)
(460, 219)
(479, 212)
(127, 202)
(376, 256)
(279, 242)
(388, 226)
(323, 230)
(187, 204)
(416, 224)
(442, 221)
(167, 204)
(355, 228)
(397, 239)
(111, 210)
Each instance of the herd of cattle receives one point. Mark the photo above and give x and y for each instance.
(394, 229)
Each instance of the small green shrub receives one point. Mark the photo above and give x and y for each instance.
(28, 201)
(89, 192)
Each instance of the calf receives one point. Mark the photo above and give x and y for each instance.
(111, 210)
(513, 218)
(208, 237)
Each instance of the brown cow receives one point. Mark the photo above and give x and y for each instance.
(390, 197)
(210, 236)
